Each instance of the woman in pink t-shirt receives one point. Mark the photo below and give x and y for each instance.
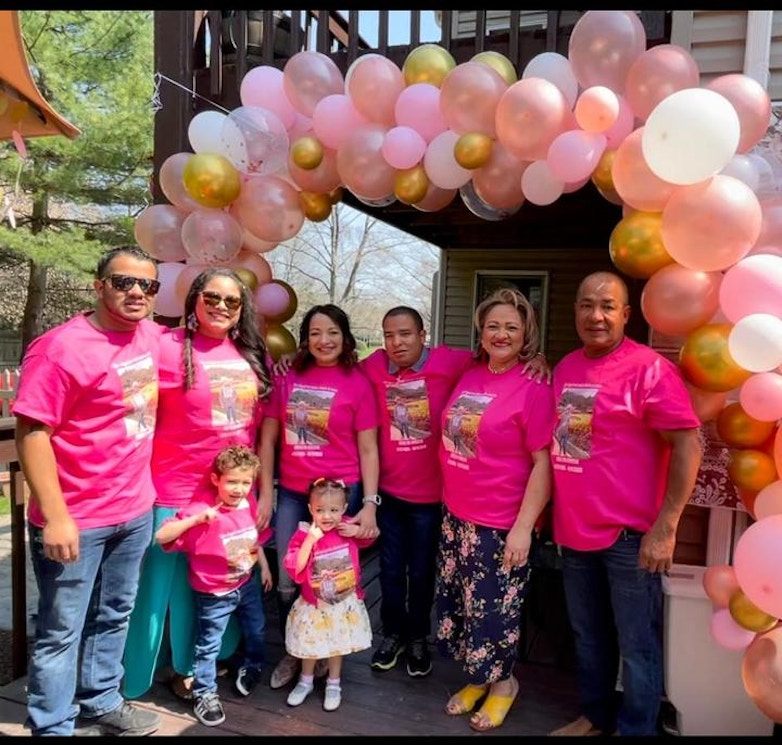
(214, 376)
(494, 453)
(322, 418)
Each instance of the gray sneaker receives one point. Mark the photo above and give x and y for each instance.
(127, 719)
(287, 669)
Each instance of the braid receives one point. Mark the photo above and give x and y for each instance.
(187, 359)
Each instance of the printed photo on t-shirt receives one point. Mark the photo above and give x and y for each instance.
(333, 577)
(234, 393)
(139, 390)
(408, 407)
(241, 553)
(573, 431)
(307, 415)
(460, 434)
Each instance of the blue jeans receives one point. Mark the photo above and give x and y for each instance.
(214, 612)
(292, 508)
(615, 609)
(83, 612)
(409, 534)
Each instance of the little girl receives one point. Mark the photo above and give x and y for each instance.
(329, 618)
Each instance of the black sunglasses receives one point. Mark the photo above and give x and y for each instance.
(213, 299)
(124, 283)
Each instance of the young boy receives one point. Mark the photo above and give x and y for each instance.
(218, 534)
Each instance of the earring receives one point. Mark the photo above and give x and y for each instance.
(234, 332)
(192, 322)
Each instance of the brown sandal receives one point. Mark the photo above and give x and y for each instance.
(182, 687)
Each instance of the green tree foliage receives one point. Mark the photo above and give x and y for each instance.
(72, 199)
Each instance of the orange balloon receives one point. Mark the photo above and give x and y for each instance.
(707, 404)
(748, 500)
(778, 450)
(761, 672)
(739, 430)
(746, 614)
(720, 583)
(705, 360)
(636, 245)
(751, 470)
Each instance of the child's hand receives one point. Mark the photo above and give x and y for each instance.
(348, 530)
(208, 515)
(266, 578)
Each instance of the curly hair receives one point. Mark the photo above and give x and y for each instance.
(508, 296)
(245, 335)
(235, 456)
(304, 358)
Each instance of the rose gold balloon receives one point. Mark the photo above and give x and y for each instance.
(308, 77)
(269, 208)
(752, 470)
(747, 615)
(498, 183)
(720, 583)
(436, 198)
(739, 430)
(707, 404)
(472, 150)
(322, 178)
(761, 673)
(171, 184)
(752, 104)
(411, 185)
(361, 164)
(705, 360)
(469, 96)
(636, 246)
(634, 180)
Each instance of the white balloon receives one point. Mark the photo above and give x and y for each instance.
(755, 342)
(555, 68)
(690, 135)
(744, 169)
(203, 132)
(539, 185)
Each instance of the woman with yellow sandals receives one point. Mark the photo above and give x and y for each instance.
(494, 490)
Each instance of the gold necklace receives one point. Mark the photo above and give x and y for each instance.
(499, 370)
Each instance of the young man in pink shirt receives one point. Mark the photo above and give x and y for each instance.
(623, 472)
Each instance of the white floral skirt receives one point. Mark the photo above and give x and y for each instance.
(323, 631)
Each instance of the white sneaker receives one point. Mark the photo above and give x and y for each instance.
(299, 693)
(333, 697)
(285, 671)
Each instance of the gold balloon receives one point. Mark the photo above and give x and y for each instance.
(293, 303)
(739, 430)
(279, 341)
(636, 245)
(705, 359)
(500, 63)
(751, 470)
(211, 180)
(747, 615)
(335, 195)
(429, 63)
(248, 278)
(473, 150)
(601, 176)
(761, 673)
(316, 207)
(411, 185)
(307, 152)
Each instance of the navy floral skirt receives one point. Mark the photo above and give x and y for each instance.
(479, 603)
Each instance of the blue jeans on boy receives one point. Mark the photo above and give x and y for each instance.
(213, 614)
(409, 536)
(615, 608)
(83, 612)
(292, 508)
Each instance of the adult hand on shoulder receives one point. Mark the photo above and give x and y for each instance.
(537, 369)
(348, 530)
(283, 364)
(655, 553)
(61, 540)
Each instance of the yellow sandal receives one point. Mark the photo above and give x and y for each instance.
(464, 700)
(494, 710)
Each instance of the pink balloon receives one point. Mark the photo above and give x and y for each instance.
(618, 132)
(469, 96)
(211, 236)
(634, 180)
(712, 224)
(771, 223)
(555, 68)
(539, 185)
(308, 77)
(167, 302)
(334, 118)
(707, 404)
(253, 243)
(253, 263)
(271, 299)
(158, 230)
(171, 184)
(403, 147)
(418, 107)
(320, 180)
(757, 560)
(574, 154)
(441, 166)
(302, 125)
(752, 104)
(658, 72)
(603, 45)
(530, 115)
(727, 633)
(185, 279)
(761, 396)
(435, 199)
(264, 86)
(498, 183)
(752, 285)
(269, 208)
(597, 109)
(361, 164)
(720, 583)
(374, 83)
(769, 501)
(676, 300)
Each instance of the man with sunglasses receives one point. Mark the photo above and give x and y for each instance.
(87, 462)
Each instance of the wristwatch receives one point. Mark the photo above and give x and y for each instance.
(372, 499)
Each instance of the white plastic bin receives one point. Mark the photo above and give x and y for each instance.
(702, 678)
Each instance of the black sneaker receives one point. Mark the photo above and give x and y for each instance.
(419, 663)
(246, 680)
(388, 653)
(127, 719)
(208, 710)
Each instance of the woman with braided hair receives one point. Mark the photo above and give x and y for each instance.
(218, 347)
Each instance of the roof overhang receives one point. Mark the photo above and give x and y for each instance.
(17, 88)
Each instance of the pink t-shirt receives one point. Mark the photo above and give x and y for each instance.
(221, 553)
(490, 427)
(610, 463)
(321, 410)
(410, 408)
(98, 391)
(333, 571)
(221, 408)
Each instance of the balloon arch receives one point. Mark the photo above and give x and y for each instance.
(701, 220)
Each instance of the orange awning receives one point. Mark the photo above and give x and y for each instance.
(22, 107)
